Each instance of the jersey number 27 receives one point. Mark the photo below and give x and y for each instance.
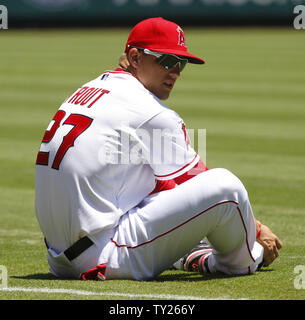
(79, 122)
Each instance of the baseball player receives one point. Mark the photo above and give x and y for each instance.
(120, 192)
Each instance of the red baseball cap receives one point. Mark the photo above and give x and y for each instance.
(160, 35)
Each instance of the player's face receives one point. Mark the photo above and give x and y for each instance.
(155, 78)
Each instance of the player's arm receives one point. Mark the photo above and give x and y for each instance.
(270, 242)
(162, 185)
(198, 168)
(169, 184)
(180, 162)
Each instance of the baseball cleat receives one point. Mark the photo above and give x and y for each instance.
(195, 260)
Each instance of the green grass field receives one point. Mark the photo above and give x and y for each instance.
(250, 97)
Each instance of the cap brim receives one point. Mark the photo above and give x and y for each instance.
(191, 58)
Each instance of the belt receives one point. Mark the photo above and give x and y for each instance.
(77, 248)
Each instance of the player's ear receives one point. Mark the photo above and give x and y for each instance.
(133, 57)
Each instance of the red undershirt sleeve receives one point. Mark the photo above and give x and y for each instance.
(198, 168)
(162, 185)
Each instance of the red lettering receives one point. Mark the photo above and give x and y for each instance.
(42, 158)
(89, 95)
(85, 94)
(80, 124)
(48, 136)
(102, 93)
(77, 94)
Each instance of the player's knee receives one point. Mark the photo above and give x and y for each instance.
(230, 185)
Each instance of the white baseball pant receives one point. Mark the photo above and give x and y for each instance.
(165, 226)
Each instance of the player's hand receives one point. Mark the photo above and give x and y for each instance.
(271, 243)
(123, 61)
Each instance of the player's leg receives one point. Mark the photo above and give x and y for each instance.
(207, 258)
(165, 226)
(243, 243)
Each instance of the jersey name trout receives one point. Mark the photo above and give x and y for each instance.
(86, 96)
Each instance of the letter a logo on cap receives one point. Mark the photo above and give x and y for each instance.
(181, 38)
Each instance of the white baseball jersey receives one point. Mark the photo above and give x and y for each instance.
(101, 155)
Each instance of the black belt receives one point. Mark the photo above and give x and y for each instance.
(77, 248)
